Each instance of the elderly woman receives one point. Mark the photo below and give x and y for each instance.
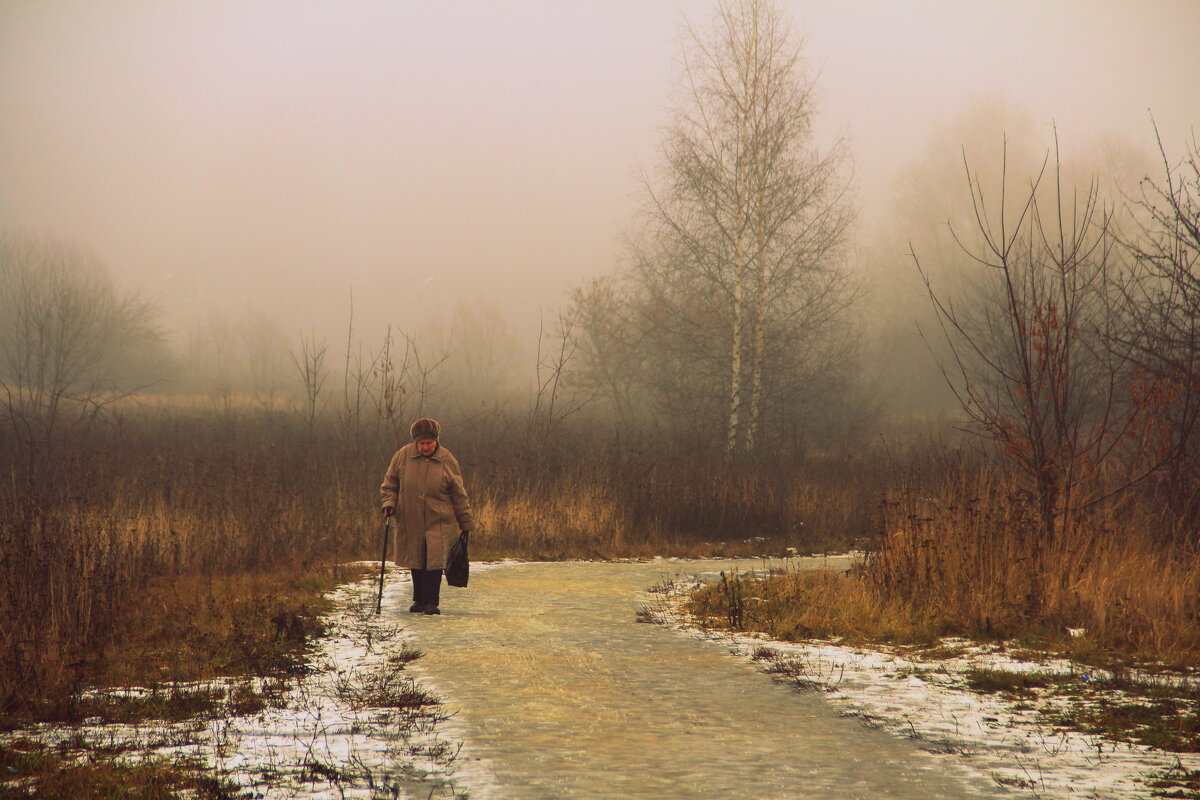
(423, 489)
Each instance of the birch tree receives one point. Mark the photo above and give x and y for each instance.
(743, 233)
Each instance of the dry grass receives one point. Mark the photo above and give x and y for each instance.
(959, 561)
(186, 629)
(165, 533)
(583, 521)
(145, 531)
(793, 606)
(197, 627)
(66, 773)
(967, 559)
(666, 503)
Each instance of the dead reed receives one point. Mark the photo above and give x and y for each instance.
(967, 558)
(96, 533)
(958, 558)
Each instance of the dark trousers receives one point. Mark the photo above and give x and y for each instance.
(427, 586)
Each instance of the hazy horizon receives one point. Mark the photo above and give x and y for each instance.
(282, 156)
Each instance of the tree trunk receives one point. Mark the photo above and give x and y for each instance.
(759, 344)
(735, 348)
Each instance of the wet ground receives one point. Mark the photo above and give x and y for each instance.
(558, 692)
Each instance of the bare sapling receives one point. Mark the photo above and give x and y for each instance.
(310, 368)
(554, 398)
(1030, 361)
(1162, 338)
(389, 389)
(610, 348)
(350, 410)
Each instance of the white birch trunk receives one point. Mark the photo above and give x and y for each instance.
(735, 346)
(759, 344)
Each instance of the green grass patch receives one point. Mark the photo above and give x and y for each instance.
(1011, 683)
(1149, 687)
(1166, 724)
(1151, 712)
(937, 652)
(1158, 713)
(1176, 782)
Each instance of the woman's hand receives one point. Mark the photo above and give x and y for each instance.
(389, 511)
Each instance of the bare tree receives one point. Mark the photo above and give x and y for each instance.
(401, 382)
(394, 382)
(265, 354)
(609, 346)
(211, 356)
(743, 238)
(65, 334)
(482, 368)
(310, 367)
(245, 356)
(1030, 358)
(390, 387)
(553, 398)
(1164, 337)
(355, 376)
(926, 204)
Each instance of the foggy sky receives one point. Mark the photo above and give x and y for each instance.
(281, 155)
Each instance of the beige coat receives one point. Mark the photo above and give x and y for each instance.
(431, 505)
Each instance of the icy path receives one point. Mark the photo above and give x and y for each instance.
(559, 693)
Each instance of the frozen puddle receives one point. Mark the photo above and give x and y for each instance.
(557, 692)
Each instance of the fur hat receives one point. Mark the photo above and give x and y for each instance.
(425, 428)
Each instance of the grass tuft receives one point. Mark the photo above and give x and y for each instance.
(1176, 782)
(58, 773)
(1010, 683)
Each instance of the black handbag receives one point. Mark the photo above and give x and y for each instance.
(458, 567)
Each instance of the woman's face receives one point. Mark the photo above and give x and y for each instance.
(426, 446)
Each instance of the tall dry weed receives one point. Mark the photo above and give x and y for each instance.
(960, 557)
(86, 525)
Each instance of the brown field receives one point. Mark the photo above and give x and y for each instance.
(172, 525)
(176, 543)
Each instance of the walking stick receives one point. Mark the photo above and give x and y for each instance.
(387, 525)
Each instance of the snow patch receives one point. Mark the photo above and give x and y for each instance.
(927, 701)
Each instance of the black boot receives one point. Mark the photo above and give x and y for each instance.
(418, 582)
(433, 590)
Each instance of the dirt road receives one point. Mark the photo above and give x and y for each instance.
(559, 693)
